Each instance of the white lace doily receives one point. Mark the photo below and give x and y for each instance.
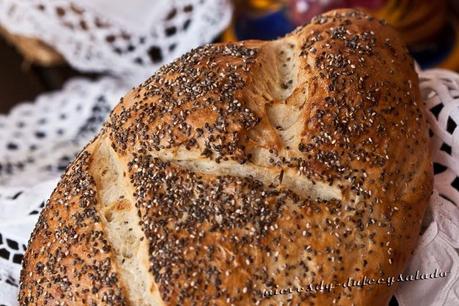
(37, 141)
(40, 138)
(100, 37)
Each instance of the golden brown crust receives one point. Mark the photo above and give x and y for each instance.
(68, 259)
(215, 146)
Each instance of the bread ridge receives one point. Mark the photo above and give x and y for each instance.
(279, 121)
(114, 203)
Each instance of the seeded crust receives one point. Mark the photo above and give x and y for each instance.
(241, 167)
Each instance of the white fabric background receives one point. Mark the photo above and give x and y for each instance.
(38, 139)
(94, 42)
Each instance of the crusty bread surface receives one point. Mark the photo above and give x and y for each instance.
(242, 168)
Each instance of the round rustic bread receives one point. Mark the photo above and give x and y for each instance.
(242, 171)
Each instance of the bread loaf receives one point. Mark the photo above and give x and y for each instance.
(242, 168)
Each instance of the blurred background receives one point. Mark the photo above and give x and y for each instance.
(429, 27)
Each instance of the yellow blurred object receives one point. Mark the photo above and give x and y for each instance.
(415, 20)
(229, 35)
(452, 61)
(260, 4)
(265, 4)
(429, 29)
